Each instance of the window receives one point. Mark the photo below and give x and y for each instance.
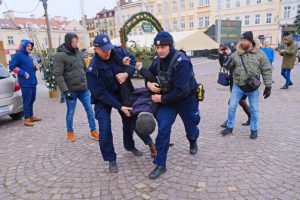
(247, 18)
(174, 4)
(238, 3)
(10, 40)
(191, 4)
(257, 19)
(174, 24)
(159, 8)
(182, 24)
(219, 4)
(227, 3)
(207, 21)
(237, 18)
(182, 4)
(200, 22)
(203, 2)
(269, 18)
(258, 1)
(200, 2)
(270, 1)
(286, 11)
(248, 2)
(191, 22)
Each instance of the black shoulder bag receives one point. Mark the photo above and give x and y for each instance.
(252, 82)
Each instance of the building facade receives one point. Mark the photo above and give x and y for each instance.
(105, 23)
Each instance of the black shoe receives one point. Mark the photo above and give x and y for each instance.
(284, 87)
(247, 123)
(193, 147)
(291, 83)
(62, 101)
(113, 167)
(253, 135)
(224, 125)
(137, 152)
(158, 170)
(227, 131)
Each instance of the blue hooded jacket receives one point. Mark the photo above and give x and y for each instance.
(21, 63)
(270, 53)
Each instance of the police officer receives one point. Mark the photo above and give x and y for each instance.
(110, 67)
(176, 92)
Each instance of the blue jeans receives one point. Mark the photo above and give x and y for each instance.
(286, 73)
(28, 96)
(189, 112)
(85, 98)
(236, 96)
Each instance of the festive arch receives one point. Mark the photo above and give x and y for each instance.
(135, 20)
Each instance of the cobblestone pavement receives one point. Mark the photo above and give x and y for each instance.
(38, 163)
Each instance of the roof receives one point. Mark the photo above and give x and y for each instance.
(7, 24)
(39, 23)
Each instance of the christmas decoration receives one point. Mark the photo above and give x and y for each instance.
(48, 71)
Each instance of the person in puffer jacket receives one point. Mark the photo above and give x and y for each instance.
(22, 64)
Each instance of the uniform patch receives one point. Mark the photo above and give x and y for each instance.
(105, 40)
(158, 42)
(179, 59)
(90, 69)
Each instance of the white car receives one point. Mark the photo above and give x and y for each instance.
(11, 102)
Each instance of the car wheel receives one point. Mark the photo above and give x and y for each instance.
(16, 116)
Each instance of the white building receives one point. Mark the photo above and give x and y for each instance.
(288, 13)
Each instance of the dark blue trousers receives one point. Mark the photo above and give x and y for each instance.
(28, 95)
(189, 112)
(103, 115)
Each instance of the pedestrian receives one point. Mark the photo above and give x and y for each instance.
(232, 47)
(70, 75)
(269, 53)
(111, 67)
(176, 94)
(248, 58)
(22, 64)
(289, 56)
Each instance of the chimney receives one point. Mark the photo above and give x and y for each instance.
(65, 19)
(32, 16)
(9, 14)
(122, 2)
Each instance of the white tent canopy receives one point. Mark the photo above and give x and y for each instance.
(186, 40)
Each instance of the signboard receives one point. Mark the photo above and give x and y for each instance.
(228, 31)
(147, 27)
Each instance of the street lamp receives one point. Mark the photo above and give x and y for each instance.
(45, 5)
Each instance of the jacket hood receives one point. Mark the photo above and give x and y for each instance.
(289, 39)
(63, 48)
(254, 50)
(68, 42)
(24, 44)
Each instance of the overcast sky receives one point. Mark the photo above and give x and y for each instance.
(64, 8)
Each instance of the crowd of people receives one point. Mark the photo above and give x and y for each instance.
(171, 89)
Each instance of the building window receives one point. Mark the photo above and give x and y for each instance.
(286, 11)
(206, 21)
(203, 2)
(257, 19)
(200, 2)
(191, 4)
(247, 17)
(191, 22)
(269, 18)
(182, 24)
(174, 4)
(10, 40)
(219, 4)
(174, 24)
(200, 22)
(159, 8)
(182, 4)
(258, 1)
(270, 1)
(248, 2)
(238, 3)
(237, 18)
(227, 3)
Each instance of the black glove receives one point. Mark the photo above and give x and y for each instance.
(68, 95)
(267, 92)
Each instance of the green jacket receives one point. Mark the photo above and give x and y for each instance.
(256, 63)
(70, 70)
(289, 54)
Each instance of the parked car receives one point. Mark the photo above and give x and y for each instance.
(10, 95)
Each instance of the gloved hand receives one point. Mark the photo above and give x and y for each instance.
(267, 92)
(68, 95)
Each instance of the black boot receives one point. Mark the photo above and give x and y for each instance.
(193, 147)
(253, 135)
(247, 123)
(113, 167)
(137, 152)
(224, 125)
(158, 170)
(284, 87)
(227, 131)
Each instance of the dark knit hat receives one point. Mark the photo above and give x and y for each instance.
(163, 38)
(145, 123)
(248, 35)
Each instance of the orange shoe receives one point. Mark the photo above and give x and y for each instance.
(95, 135)
(27, 122)
(35, 119)
(71, 136)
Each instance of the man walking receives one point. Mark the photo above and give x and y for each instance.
(70, 75)
(248, 61)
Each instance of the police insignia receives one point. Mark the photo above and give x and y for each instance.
(105, 40)
(158, 42)
(179, 59)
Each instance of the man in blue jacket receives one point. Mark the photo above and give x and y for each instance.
(22, 64)
(176, 92)
(109, 68)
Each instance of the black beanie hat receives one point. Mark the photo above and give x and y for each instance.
(248, 35)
